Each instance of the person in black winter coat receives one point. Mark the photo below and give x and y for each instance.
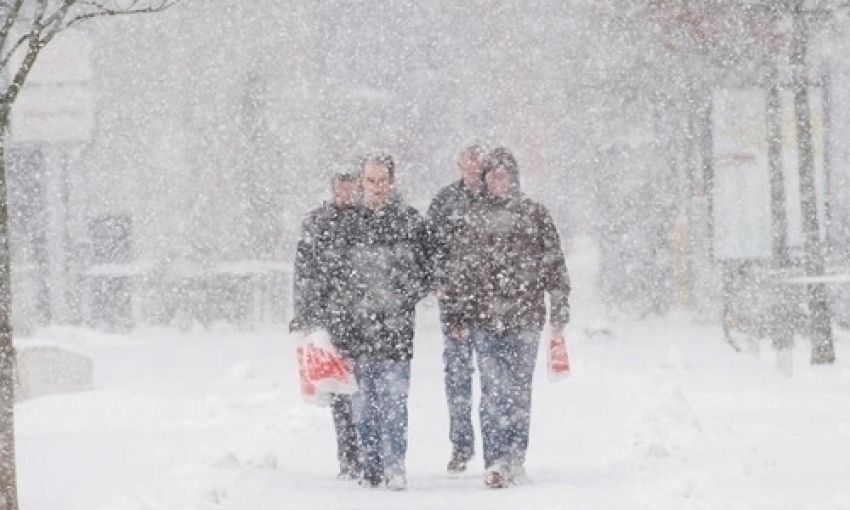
(445, 220)
(508, 260)
(389, 275)
(319, 293)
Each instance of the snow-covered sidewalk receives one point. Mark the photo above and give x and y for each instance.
(658, 414)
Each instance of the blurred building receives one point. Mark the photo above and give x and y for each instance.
(179, 202)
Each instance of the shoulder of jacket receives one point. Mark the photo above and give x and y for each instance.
(531, 204)
(540, 212)
(410, 212)
(448, 192)
(311, 217)
(454, 187)
(319, 212)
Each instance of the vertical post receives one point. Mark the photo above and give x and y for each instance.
(778, 213)
(707, 152)
(823, 350)
(826, 99)
(781, 326)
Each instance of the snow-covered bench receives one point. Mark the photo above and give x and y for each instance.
(47, 370)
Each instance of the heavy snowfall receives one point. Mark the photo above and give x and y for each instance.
(693, 157)
(657, 413)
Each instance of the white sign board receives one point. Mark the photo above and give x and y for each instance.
(56, 103)
(741, 186)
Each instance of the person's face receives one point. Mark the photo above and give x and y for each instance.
(344, 193)
(499, 182)
(470, 171)
(377, 184)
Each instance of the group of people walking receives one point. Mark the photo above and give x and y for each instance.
(488, 253)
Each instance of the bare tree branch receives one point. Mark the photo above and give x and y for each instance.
(133, 7)
(17, 83)
(53, 25)
(11, 17)
(46, 25)
(39, 12)
(20, 42)
(60, 13)
(33, 38)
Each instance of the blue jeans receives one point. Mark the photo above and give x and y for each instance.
(458, 369)
(506, 362)
(380, 415)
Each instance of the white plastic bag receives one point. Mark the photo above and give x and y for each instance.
(322, 370)
(309, 392)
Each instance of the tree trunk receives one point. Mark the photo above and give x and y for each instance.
(778, 214)
(821, 320)
(8, 476)
(781, 325)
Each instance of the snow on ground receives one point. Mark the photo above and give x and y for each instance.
(658, 414)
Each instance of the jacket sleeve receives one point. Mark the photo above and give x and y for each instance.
(462, 281)
(556, 279)
(420, 281)
(306, 288)
(436, 239)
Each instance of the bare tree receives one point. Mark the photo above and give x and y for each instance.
(26, 27)
(738, 32)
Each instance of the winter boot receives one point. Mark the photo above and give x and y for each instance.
(457, 464)
(516, 475)
(495, 478)
(348, 471)
(397, 482)
(370, 480)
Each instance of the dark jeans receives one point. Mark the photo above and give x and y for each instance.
(506, 362)
(346, 435)
(380, 414)
(459, 369)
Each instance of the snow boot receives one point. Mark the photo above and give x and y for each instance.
(458, 462)
(348, 471)
(494, 479)
(397, 482)
(516, 475)
(371, 480)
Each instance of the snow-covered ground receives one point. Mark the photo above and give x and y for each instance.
(657, 414)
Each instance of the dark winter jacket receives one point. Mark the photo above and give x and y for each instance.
(507, 258)
(445, 221)
(322, 270)
(389, 275)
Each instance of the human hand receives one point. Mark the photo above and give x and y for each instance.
(459, 333)
(557, 330)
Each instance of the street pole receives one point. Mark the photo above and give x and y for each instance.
(781, 324)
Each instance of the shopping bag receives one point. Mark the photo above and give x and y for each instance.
(558, 361)
(309, 392)
(324, 368)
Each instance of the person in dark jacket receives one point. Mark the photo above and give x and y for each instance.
(445, 219)
(389, 276)
(508, 259)
(319, 294)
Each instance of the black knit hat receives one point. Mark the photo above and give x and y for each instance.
(504, 158)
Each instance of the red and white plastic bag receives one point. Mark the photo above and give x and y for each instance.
(322, 370)
(557, 359)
